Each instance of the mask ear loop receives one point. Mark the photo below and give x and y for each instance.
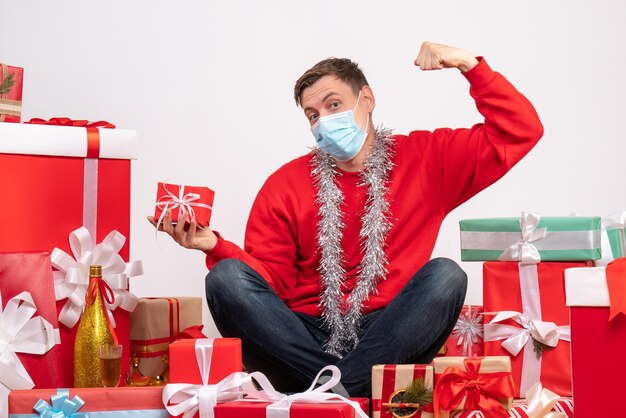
(367, 122)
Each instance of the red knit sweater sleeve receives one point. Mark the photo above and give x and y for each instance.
(466, 161)
(273, 254)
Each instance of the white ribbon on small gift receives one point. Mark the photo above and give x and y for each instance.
(468, 330)
(523, 251)
(187, 399)
(184, 201)
(616, 220)
(72, 279)
(21, 332)
(540, 402)
(281, 403)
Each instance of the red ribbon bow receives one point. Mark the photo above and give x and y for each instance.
(481, 391)
(616, 283)
(191, 333)
(93, 133)
(98, 285)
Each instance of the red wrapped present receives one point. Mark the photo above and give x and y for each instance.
(391, 381)
(466, 339)
(28, 324)
(238, 409)
(597, 301)
(11, 82)
(144, 402)
(61, 178)
(473, 383)
(195, 202)
(222, 357)
(157, 322)
(531, 323)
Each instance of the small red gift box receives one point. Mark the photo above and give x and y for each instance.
(124, 401)
(238, 409)
(534, 330)
(467, 336)
(195, 202)
(225, 359)
(65, 177)
(597, 341)
(390, 380)
(11, 82)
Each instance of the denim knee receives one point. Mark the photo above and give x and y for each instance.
(448, 276)
(224, 278)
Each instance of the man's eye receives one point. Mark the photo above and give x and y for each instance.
(334, 105)
(313, 116)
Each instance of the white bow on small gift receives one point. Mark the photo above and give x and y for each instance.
(72, 279)
(515, 338)
(21, 332)
(281, 403)
(541, 401)
(188, 399)
(523, 251)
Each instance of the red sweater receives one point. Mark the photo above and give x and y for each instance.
(433, 173)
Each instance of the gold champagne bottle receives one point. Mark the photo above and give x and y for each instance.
(93, 331)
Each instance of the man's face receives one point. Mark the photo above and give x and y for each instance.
(330, 95)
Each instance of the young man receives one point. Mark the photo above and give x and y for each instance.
(335, 267)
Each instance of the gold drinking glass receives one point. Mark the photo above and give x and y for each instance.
(110, 365)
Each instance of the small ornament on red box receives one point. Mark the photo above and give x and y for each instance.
(195, 202)
(467, 336)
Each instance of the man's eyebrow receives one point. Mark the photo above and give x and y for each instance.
(323, 100)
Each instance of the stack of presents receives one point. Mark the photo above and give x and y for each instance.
(549, 330)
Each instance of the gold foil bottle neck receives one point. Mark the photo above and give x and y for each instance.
(95, 271)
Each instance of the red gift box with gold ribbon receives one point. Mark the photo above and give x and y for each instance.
(597, 300)
(389, 381)
(60, 178)
(11, 82)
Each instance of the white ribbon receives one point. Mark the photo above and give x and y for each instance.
(187, 399)
(616, 220)
(281, 403)
(185, 202)
(72, 279)
(468, 330)
(540, 402)
(21, 332)
(523, 250)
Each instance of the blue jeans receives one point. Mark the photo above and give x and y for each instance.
(287, 346)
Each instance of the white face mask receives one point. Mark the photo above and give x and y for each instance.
(339, 135)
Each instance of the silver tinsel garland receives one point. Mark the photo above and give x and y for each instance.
(343, 320)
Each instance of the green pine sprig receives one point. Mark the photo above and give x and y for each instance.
(7, 84)
(539, 348)
(416, 392)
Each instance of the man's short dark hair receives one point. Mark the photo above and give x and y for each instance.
(346, 70)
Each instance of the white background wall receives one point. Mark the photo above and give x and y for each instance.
(208, 85)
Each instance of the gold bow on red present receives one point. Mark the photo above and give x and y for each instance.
(481, 391)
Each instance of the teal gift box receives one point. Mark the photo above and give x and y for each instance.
(531, 239)
(613, 238)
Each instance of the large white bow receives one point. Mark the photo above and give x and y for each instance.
(187, 399)
(72, 279)
(515, 338)
(540, 402)
(281, 403)
(21, 332)
(523, 251)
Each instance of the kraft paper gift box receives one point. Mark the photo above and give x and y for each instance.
(239, 409)
(492, 386)
(11, 84)
(528, 321)
(29, 330)
(195, 202)
(157, 322)
(61, 178)
(389, 381)
(131, 402)
(598, 339)
(531, 239)
(466, 339)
